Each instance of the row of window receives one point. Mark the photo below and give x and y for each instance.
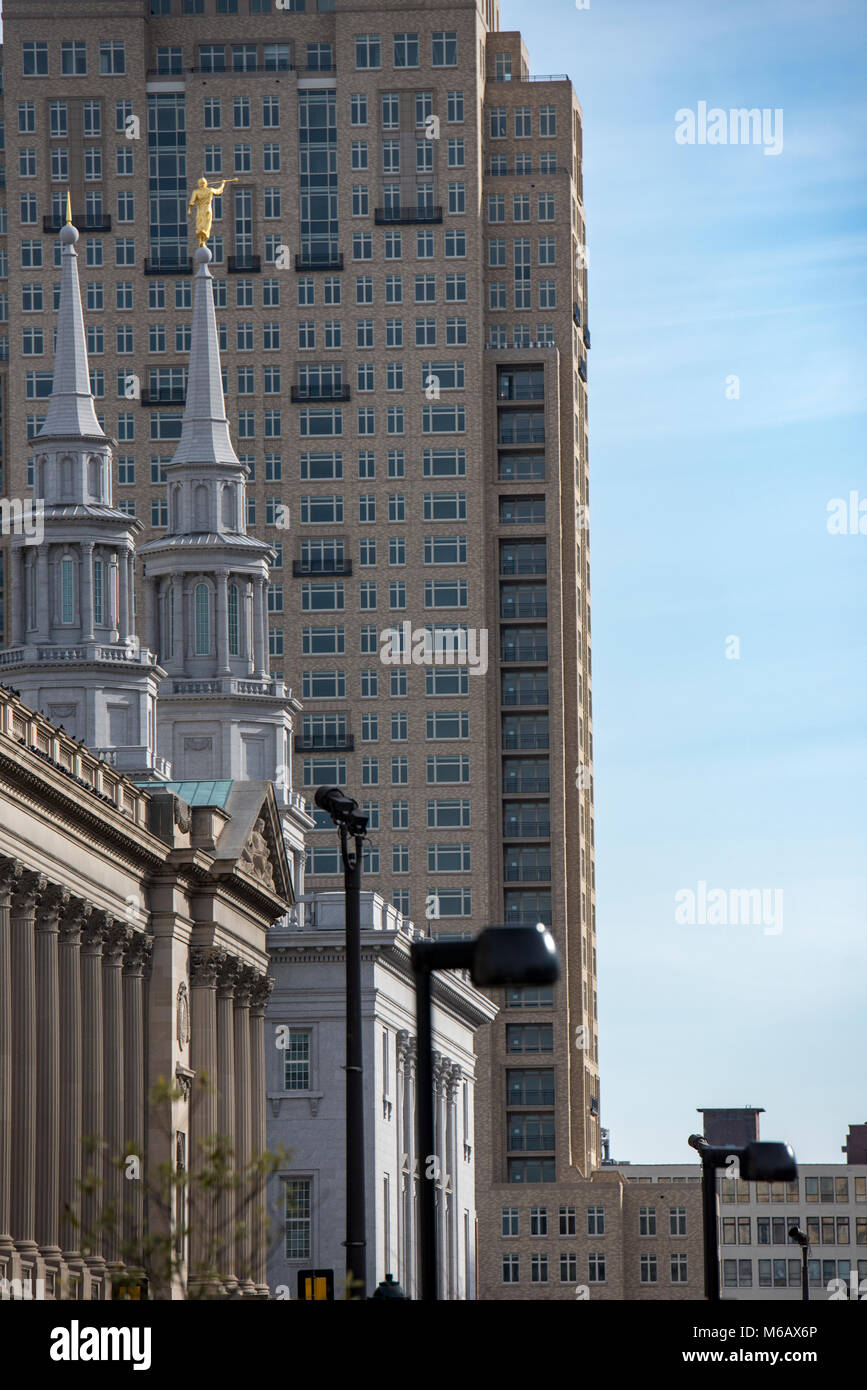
(332, 729)
(567, 1217)
(539, 1266)
(441, 859)
(522, 207)
(816, 1189)
(73, 58)
(781, 1274)
(325, 684)
(328, 509)
(825, 1230)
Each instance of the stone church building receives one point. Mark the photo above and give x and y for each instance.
(148, 837)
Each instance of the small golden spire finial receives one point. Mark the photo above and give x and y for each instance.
(68, 208)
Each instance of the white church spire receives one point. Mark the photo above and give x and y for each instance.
(75, 655)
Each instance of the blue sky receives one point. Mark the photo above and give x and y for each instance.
(708, 520)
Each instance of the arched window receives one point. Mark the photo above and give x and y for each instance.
(98, 590)
(228, 507)
(203, 620)
(67, 589)
(233, 620)
(66, 477)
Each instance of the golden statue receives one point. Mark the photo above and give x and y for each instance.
(201, 199)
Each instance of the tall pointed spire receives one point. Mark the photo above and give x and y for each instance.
(75, 654)
(71, 411)
(205, 433)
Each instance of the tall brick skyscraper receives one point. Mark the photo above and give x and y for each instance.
(401, 294)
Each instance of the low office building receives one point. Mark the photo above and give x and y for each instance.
(306, 1052)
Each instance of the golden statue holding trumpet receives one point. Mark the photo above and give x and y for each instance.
(202, 198)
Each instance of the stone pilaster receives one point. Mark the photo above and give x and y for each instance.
(75, 917)
(205, 967)
(25, 901)
(11, 874)
(226, 1116)
(115, 944)
(243, 1132)
(51, 908)
(85, 590)
(93, 1119)
(135, 959)
(262, 990)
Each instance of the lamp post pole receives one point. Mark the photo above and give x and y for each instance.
(356, 1232)
(498, 956)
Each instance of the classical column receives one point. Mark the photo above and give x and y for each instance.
(18, 597)
(221, 622)
(135, 960)
(260, 659)
(413, 1266)
(152, 611)
(123, 596)
(176, 598)
(25, 900)
(439, 1063)
(400, 1130)
(112, 596)
(262, 990)
(85, 590)
(92, 1119)
(247, 631)
(205, 966)
(243, 1132)
(51, 908)
(225, 1249)
(74, 918)
(43, 616)
(115, 944)
(453, 1087)
(11, 872)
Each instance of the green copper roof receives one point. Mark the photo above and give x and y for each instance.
(194, 793)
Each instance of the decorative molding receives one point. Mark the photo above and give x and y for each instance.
(205, 966)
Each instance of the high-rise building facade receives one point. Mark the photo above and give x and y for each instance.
(400, 284)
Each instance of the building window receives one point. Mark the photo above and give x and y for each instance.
(203, 620)
(511, 1269)
(298, 1219)
(67, 581)
(647, 1221)
(679, 1269)
(596, 1221)
(649, 1269)
(596, 1268)
(296, 1061)
(112, 58)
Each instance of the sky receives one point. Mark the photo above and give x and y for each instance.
(737, 764)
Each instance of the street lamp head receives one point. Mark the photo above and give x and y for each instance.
(515, 956)
(341, 808)
(768, 1162)
(796, 1234)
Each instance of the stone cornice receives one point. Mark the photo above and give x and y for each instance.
(46, 791)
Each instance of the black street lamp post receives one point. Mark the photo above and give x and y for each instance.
(759, 1161)
(353, 828)
(498, 956)
(796, 1234)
